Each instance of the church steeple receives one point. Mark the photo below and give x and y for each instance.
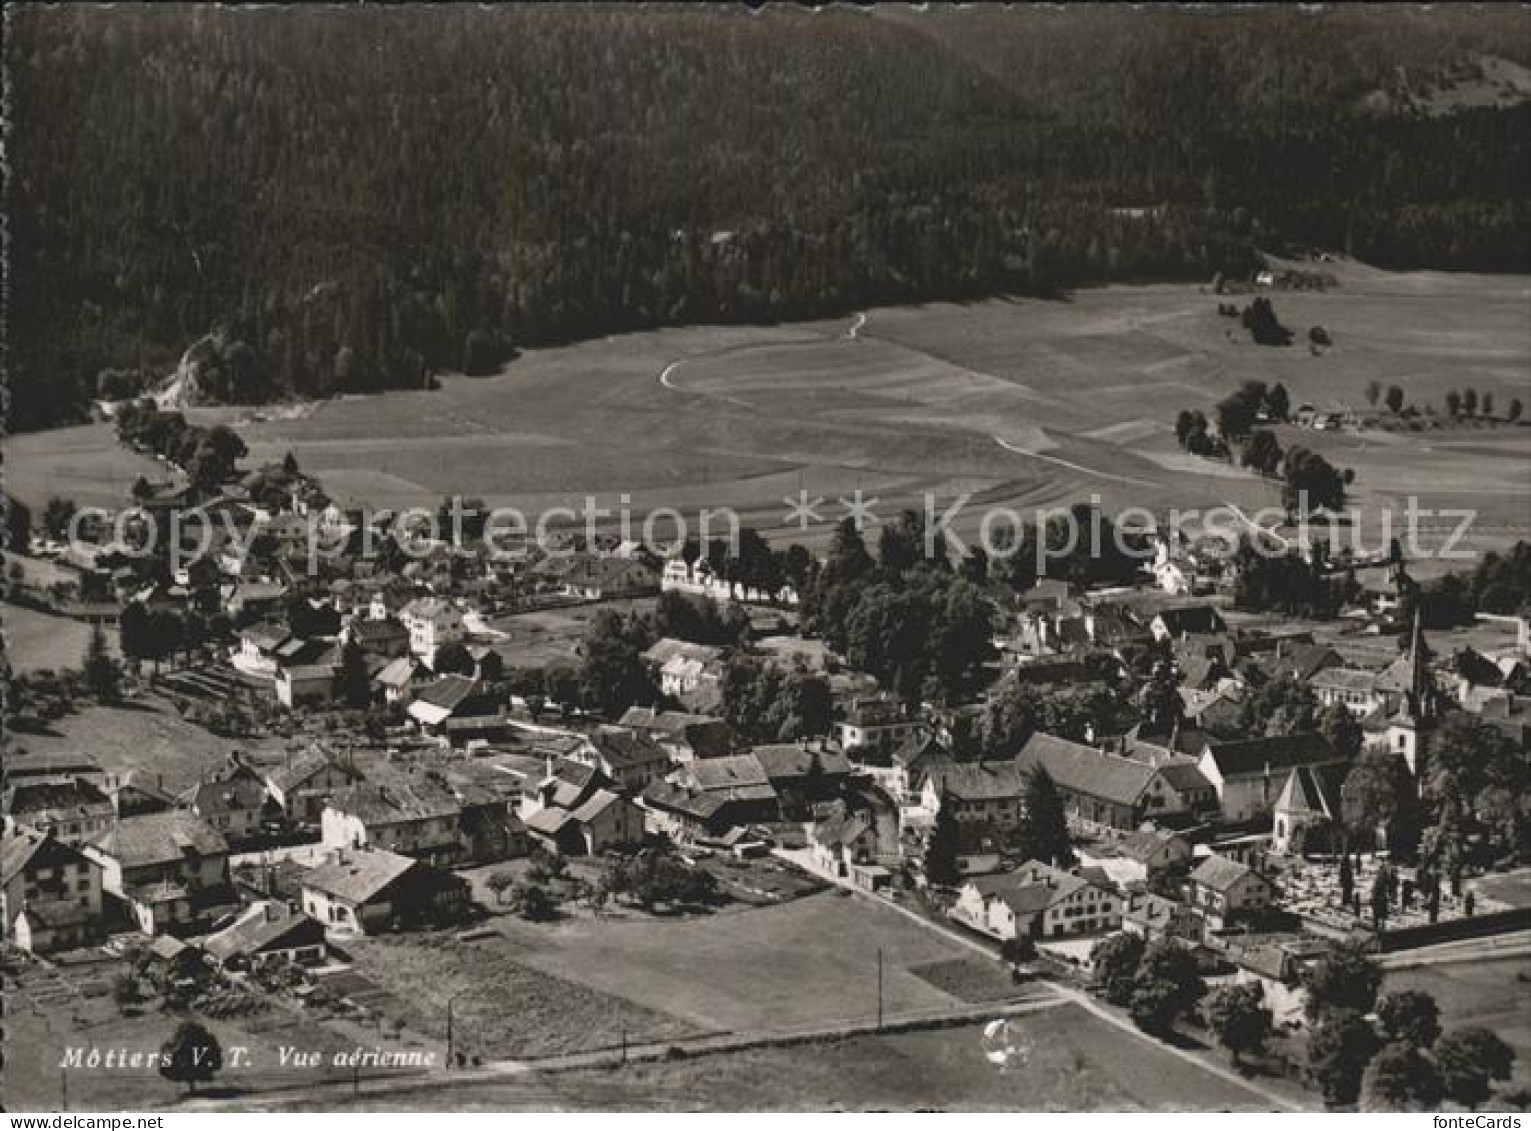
(1420, 693)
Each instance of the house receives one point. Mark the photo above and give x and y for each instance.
(136, 793)
(906, 766)
(382, 636)
(1175, 624)
(397, 680)
(873, 727)
(21, 767)
(267, 934)
(76, 809)
(305, 685)
(853, 844)
(450, 697)
(1226, 891)
(685, 813)
(1301, 660)
(1138, 856)
(575, 813)
(803, 773)
(433, 623)
(1359, 691)
(170, 869)
(1101, 789)
(1183, 776)
(1175, 577)
(684, 736)
(1037, 901)
(258, 644)
(232, 800)
(740, 781)
(369, 890)
(629, 758)
(601, 578)
(1310, 797)
(684, 668)
(989, 792)
(300, 786)
(414, 814)
(1156, 919)
(1248, 773)
(50, 892)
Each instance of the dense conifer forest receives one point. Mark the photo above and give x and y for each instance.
(354, 199)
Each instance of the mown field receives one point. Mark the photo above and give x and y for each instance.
(1078, 1063)
(35, 640)
(577, 984)
(1025, 403)
(144, 734)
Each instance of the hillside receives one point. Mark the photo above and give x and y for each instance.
(359, 198)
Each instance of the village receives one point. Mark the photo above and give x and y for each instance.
(1127, 784)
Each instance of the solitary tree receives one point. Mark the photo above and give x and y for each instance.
(1339, 1047)
(1469, 1058)
(1167, 987)
(1453, 403)
(1347, 978)
(944, 846)
(1401, 1078)
(101, 674)
(1512, 413)
(499, 883)
(1044, 832)
(1373, 392)
(1394, 398)
(57, 515)
(1470, 402)
(1114, 961)
(355, 684)
(1380, 900)
(191, 1056)
(1410, 1017)
(454, 659)
(1238, 1016)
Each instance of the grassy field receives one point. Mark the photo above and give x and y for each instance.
(576, 984)
(504, 1007)
(537, 639)
(809, 962)
(85, 464)
(147, 735)
(35, 640)
(1492, 992)
(1026, 403)
(1078, 1063)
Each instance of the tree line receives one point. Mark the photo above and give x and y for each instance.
(328, 201)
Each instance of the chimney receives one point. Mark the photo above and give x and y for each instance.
(271, 911)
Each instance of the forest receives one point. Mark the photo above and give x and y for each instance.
(349, 200)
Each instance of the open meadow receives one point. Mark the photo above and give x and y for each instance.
(1024, 403)
(584, 982)
(1078, 1063)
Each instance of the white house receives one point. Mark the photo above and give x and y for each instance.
(433, 623)
(1037, 901)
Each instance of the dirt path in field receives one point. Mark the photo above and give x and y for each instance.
(1009, 447)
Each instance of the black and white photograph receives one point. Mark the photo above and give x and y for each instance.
(766, 558)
